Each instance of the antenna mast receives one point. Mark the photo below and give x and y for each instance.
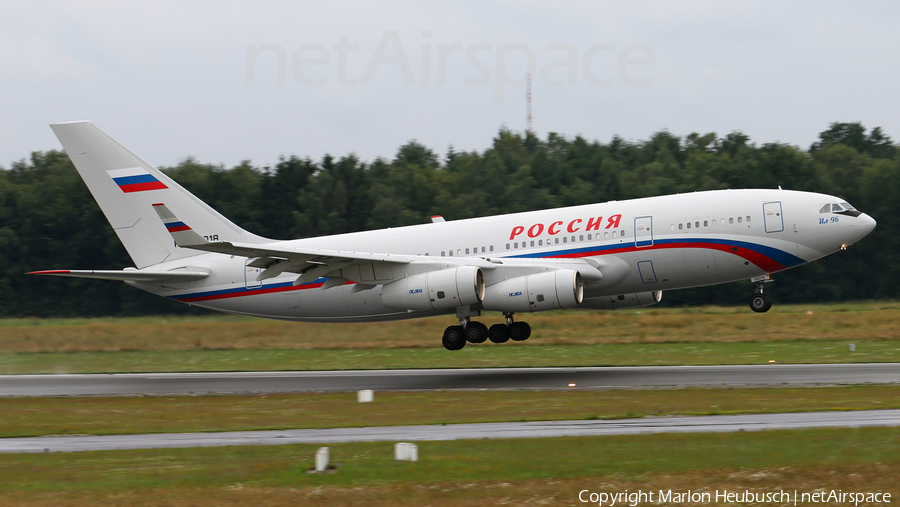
(528, 102)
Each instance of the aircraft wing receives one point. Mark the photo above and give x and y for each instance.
(297, 255)
(310, 263)
(128, 274)
(367, 269)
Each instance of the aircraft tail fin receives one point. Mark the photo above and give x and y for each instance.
(125, 186)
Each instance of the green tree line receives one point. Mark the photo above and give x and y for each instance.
(48, 219)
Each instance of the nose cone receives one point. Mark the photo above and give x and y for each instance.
(867, 224)
(862, 226)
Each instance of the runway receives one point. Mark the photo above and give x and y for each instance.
(695, 424)
(433, 379)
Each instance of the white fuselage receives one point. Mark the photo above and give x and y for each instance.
(640, 245)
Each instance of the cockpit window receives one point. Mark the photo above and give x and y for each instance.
(836, 207)
(847, 206)
(825, 209)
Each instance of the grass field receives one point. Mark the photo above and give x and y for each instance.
(117, 415)
(473, 356)
(475, 472)
(710, 335)
(840, 322)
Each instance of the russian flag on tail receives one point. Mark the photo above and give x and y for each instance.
(135, 179)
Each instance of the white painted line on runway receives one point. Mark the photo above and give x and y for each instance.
(580, 428)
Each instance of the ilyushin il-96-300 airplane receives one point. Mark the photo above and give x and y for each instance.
(598, 256)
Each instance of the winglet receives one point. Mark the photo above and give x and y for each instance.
(182, 233)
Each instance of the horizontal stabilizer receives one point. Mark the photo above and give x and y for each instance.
(129, 274)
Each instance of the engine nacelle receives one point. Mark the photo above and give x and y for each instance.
(436, 290)
(621, 301)
(550, 290)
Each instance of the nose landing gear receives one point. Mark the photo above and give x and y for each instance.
(455, 337)
(761, 302)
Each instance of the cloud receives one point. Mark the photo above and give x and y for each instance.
(169, 78)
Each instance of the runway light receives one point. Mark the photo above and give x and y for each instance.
(572, 384)
(771, 360)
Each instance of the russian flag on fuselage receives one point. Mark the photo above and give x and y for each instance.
(135, 179)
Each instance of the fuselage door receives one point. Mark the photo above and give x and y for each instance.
(643, 231)
(648, 274)
(773, 219)
(250, 274)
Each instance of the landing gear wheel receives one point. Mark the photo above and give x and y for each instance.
(519, 331)
(760, 303)
(476, 332)
(498, 333)
(454, 338)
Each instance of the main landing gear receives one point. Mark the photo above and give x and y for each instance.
(455, 337)
(761, 302)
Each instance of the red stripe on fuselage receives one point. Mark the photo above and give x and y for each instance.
(768, 264)
(252, 292)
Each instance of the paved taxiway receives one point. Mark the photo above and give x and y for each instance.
(695, 424)
(488, 378)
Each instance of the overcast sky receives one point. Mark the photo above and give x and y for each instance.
(228, 81)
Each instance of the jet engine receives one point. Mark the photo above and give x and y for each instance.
(623, 301)
(436, 290)
(550, 290)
